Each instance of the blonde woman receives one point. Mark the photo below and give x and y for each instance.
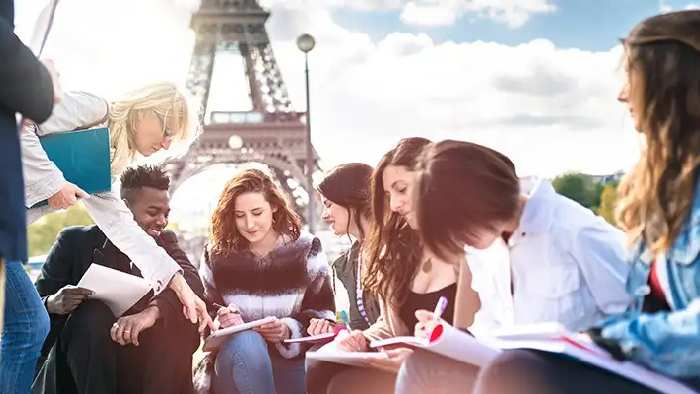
(141, 123)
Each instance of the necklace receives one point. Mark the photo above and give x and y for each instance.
(427, 265)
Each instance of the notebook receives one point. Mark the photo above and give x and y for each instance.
(218, 337)
(83, 157)
(549, 337)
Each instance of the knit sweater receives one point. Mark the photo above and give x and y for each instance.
(291, 283)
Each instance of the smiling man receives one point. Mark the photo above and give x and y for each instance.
(148, 349)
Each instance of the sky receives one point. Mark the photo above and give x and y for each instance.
(535, 79)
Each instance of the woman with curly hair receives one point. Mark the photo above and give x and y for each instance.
(257, 264)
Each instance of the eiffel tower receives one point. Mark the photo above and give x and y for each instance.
(271, 132)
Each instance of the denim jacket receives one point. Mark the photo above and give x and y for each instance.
(667, 341)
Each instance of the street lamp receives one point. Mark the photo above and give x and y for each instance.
(306, 43)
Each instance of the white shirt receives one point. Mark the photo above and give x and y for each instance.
(566, 264)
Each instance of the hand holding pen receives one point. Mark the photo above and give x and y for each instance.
(227, 316)
(427, 321)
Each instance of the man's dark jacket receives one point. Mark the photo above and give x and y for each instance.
(78, 247)
(26, 88)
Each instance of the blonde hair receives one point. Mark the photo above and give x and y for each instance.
(167, 102)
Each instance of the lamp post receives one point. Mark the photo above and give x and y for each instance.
(306, 43)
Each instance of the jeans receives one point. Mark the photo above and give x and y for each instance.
(245, 365)
(26, 326)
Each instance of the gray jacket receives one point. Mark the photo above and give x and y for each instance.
(79, 110)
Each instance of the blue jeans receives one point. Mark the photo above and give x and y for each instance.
(26, 326)
(245, 365)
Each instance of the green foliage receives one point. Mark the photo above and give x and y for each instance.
(608, 199)
(600, 197)
(42, 233)
(579, 188)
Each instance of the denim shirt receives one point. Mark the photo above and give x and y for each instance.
(667, 341)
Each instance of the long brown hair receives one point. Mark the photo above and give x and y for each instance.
(225, 236)
(348, 185)
(393, 249)
(663, 54)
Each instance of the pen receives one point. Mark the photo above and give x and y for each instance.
(440, 308)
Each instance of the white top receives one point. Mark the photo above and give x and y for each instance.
(567, 265)
(42, 179)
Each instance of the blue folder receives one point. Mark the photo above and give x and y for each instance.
(83, 157)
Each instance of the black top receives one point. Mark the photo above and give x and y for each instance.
(427, 301)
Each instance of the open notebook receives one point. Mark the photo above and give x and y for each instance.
(549, 337)
(218, 337)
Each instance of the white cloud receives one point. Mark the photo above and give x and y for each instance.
(692, 6)
(513, 13)
(550, 109)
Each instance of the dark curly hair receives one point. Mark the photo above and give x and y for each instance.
(134, 178)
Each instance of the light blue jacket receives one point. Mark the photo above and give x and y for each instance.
(668, 341)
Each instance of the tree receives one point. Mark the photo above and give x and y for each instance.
(608, 199)
(42, 233)
(577, 187)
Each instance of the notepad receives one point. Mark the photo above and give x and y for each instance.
(218, 337)
(118, 290)
(83, 157)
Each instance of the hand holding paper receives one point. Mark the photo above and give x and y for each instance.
(119, 290)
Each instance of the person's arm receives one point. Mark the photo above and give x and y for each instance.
(113, 217)
(380, 329)
(318, 301)
(167, 301)
(668, 342)
(26, 84)
(56, 271)
(599, 251)
(116, 221)
(43, 179)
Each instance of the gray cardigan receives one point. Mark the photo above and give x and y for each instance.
(75, 111)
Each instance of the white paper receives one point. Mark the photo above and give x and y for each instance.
(218, 337)
(118, 290)
(453, 343)
(548, 337)
(312, 338)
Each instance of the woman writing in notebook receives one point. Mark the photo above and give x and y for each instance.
(141, 123)
(346, 209)
(660, 210)
(566, 264)
(258, 264)
(404, 276)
